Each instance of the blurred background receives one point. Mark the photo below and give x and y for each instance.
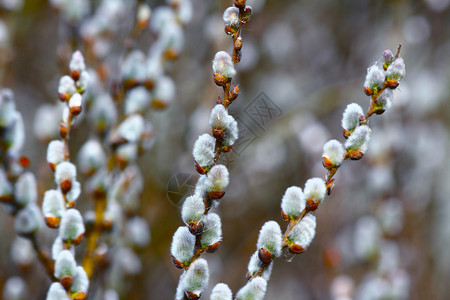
(384, 233)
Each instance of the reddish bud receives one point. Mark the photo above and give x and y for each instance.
(218, 133)
(234, 93)
(199, 168)
(191, 295)
(346, 133)
(196, 228)
(392, 84)
(216, 195)
(64, 97)
(149, 84)
(24, 161)
(265, 256)
(239, 3)
(66, 282)
(327, 163)
(75, 74)
(78, 240)
(284, 216)
(311, 205)
(52, 222)
(355, 154)
(296, 249)
(213, 248)
(238, 44)
(177, 263)
(368, 91)
(220, 80)
(76, 110)
(66, 185)
(63, 131)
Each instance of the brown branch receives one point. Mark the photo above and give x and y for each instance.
(44, 258)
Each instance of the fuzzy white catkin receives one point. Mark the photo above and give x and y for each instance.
(396, 70)
(303, 233)
(7, 108)
(80, 282)
(5, 186)
(293, 202)
(255, 264)
(164, 90)
(359, 139)
(131, 128)
(200, 187)
(217, 179)
(77, 62)
(58, 246)
(218, 117)
(15, 137)
(75, 101)
(204, 150)
(183, 244)
(67, 86)
(212, 229)
(138, 231)
(352, 114)
(193, 209)
(231, 131)
(231, 16)
(25, 189)
(72, 225)
(57, 292)
(221, 291)
(28, 220)
(253, 290)
(53, 204)
(196, 277)
(128, 260)
(127, 152)
(134, 67)
(65, 264)
(55, 152)
(384, 100)
(47, 121)
(15, 289)
(375, 77)
(334, 151)
(83, 81)
(91, 157)
(315, 189)
(74, 192)
(103, 113)
(22, 252)
(65, 171)
(270, 238)
(137, 100)
(223, 65)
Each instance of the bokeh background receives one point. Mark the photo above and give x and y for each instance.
(384, 233)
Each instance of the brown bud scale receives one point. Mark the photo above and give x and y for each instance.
(311, 205)
(216, 195)
(296, 249)
(265, 256)
(220, 80)
(66, 282)
(52, 222)
(66, 186)
(213, 248)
